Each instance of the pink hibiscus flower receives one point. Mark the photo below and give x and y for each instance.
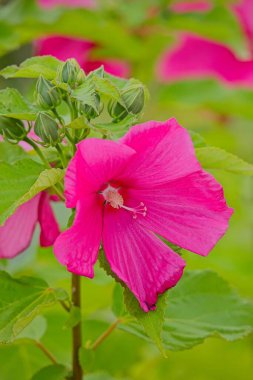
(64, 47)
(126, 193)
(199, 57)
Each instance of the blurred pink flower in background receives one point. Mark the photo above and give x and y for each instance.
(191, 6)
(127, 194)
(64, 47)
(17, 232)
(197, 57)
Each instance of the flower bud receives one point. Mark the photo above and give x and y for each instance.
(116, 110)
(133, 96)
(47, 95)
(12, 129)
(71, 73)
(91, 112)
(46, 129)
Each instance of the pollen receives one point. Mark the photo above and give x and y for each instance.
(115, 200)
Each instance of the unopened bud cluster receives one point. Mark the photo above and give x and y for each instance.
(133, 100)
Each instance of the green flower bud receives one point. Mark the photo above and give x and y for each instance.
(47, 95)
(133, 96)
(116, 110)
(12, 129)
(71, 73)
(46, 129)
(91, 112)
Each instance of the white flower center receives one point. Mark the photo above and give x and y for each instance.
(115, 199)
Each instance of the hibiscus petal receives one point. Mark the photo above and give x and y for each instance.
(142, 261)
(48, 223)
(96, 162)
(163, 149)
(64, 48)
(190, 212)
(77, 247)
(199, 57)
(17, 232)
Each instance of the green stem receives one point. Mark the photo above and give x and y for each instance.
(61, 154)
(105, 335)
(38, 151)
(44, 160)
(77, 330)
(46, 352)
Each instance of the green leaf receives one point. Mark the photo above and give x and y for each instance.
(105, 87)
(21, 181)
(99, 376)
(216, 158)
(118, 305)
(153, 321)
(78, 123)
(52, 372)
(21, 300)
(33, 68)
(197, 139)
(74, 318)
(12, 104)
(86, 94)
(86, 358)
(200, 306)
(11, 153)
(35, 330)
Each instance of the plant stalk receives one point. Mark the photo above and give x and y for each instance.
(77, 330)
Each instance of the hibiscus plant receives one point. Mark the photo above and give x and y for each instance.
(138, 193)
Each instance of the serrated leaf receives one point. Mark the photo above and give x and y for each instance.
(21, 181)
(153, 321)
(33, 68)
(21, 300)
(105, 87)
(86, 94)
(11, 153)
(12, 104)
(52, 372)
(216, 158)
(200, 306)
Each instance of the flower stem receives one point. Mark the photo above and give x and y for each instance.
(61, 155)
(105, 334)
(77, 330)
(45, 351)
(44, 160)
(38, 151)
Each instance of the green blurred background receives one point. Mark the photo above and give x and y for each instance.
(137, 32)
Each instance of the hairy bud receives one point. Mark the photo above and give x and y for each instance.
(12, 130)
(47, 95)
(91, 112)
(71, 73)
(133, 96)
(46, 129)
